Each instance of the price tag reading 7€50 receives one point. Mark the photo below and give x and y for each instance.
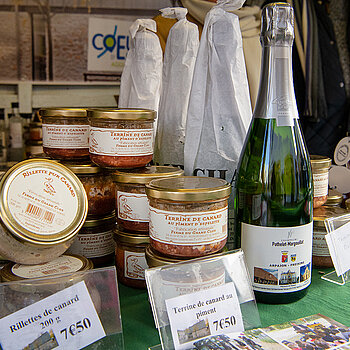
(64, 320)
(202, 314)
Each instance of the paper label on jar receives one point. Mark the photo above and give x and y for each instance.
(121, 142)
(65, 136)
(320, 184)
(43, 201)
(93, 245)
(132, 206)
(188, 228)
(63, 264)
(319, 244)
(135, 265)
(278, 258)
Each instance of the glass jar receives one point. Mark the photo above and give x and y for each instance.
(188, 215)
(320, 253)
(95, 240)
(121, 138)
(42, 207)
(320, 168)
(334, 199)
(35, 131)
(131, 199)
(98, 184)
(65, 133)
(130, 258)
(33, 148)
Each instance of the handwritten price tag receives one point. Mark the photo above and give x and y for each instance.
(64, 320)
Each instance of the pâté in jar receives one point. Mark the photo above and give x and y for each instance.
(42, 207)
(121, 138)
(130, 195)
(98, 184)
(130, 259)
(188, 215)
(65, 133)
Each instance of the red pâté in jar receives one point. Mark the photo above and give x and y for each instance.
(65, 133)
(188, 215)
(130, 195)
(121, 138)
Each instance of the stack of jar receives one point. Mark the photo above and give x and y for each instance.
(34, 143)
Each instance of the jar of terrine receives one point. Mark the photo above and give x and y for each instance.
(188, 215)
(65, 133)
(98, 184)
(130, 258)
(131, 199)
(320, 169)
(43, 205)
(121, 138)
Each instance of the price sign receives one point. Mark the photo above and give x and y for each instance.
(64, 320)
(202, 314)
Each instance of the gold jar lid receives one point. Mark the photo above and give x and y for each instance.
(92, 221)
(34, 143)
(146, 174)
(121, 236)
(334, 198)
(42, 202)
(320, 162)
(347, 203)
(63, 112)
(66, 263)
(81, 167)
(189, 188)
(322, 213)
(35, 124)
(155, 260)
(121, 113)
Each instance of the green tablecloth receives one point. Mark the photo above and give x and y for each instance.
(323, 297)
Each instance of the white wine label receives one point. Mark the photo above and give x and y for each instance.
(278, 258)
(132, 206)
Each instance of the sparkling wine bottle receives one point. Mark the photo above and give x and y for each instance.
(273, 201)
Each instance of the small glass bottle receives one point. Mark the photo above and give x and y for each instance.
(16, 150)
(3, 137)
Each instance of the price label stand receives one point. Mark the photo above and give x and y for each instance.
(338, 241)
(65, 311)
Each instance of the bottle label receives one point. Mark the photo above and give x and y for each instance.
(319, 244)
(132, 206)
(16, 135)
(65, 136)
(135, 265)
(93, 245)
(320, 184)
(190, 228)
(123, 142)
(278, 258)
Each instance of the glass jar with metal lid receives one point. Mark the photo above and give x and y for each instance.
(65, 133)
(188, 215)
(35, 131)
(334, 198)
(42, 207)
(320, 168)
(33, 148)
(121, 138)
(320, 253)
(130, 258)
(131, 200)
(98, 184)
(95, 240)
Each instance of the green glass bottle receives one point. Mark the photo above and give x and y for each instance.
(274, 188)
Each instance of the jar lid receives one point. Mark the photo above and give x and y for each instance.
(67, 263)
(323, 213)
(35, 124)
(320, 162)
(81, 167)
(63, 112)
(34, 143)
(122, 236)
(121, 113)
(146, 174)
(188, 188)
(334, 198)
(347, 203)
(92, 221)
(42, 202)
(155, 260)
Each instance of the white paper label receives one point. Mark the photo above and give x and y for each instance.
(64, 320)
(278, 258)
(122, 142)
(132, 206)
(342, 151)
(65, 136)
(339, 247)
(63, 264)
(93, 245)
(203, 314)
(135, 265)
(320, 184)
(188, 228)
(42, 200)
(319, 244)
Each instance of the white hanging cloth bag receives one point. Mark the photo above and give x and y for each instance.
(179, 60)
(142, 74)
(219, 111)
